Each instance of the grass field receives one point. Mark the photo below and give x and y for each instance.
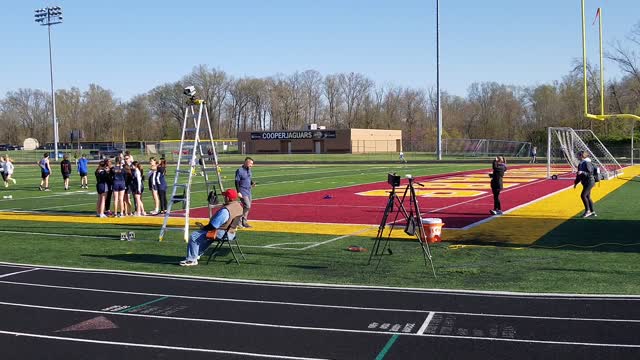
(580, 256)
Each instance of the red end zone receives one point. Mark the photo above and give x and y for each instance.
(460, 199)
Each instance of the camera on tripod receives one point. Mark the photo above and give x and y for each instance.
(393, 179)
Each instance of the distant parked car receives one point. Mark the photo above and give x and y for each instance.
(109, 152)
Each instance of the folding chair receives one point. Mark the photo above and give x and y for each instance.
(218, 243)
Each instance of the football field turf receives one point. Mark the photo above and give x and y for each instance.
(540, 245)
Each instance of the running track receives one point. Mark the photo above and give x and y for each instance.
(55, 313)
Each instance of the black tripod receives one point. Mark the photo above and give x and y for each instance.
(413, 224)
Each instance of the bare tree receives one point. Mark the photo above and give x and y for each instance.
(101, 113)
(167, 105)
(240, 91)
(353, 87)
(139, 123)
(212, 86)
(331, 90)
(69, 112)
(32, 109)
(281, 104)
(312, 88)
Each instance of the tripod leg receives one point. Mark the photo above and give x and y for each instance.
(383, 223)
(422, 238)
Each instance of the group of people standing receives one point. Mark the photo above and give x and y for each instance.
(65, 170)
(122, 179)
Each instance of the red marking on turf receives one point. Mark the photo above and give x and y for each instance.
(344, 206)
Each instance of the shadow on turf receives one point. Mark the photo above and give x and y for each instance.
(576, 234)
(162, 259)
(140, 258)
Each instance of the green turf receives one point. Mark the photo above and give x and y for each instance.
(551, 265)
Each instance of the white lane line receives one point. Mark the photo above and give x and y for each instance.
(336, 239)
(320, 329)
(201, 320)
(63, 206)
(60, 235)
(300, 285)
(128, 344)
(50, 195)
(18, 272)
(359, 308)
(425, 323)
(214, 298)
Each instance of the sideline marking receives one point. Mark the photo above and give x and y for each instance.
(62, 235)
(426, 323)
(157, 346)
(141, 305)
(338, 238)
(387, 346)
(18, 272)
(63, 206)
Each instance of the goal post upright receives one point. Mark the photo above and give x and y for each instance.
(586, 113)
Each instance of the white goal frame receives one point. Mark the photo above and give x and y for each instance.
(563, 144)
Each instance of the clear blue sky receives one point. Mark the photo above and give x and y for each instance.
(130, 46)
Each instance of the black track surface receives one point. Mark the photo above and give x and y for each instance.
(50, 313)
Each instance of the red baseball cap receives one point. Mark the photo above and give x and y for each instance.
(230, 194)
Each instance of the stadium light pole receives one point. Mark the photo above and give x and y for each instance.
(438, 105)
(46, 17)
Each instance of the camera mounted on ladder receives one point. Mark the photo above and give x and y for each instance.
(190, 91)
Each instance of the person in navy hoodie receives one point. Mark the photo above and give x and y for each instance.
(161, 184)
(119, 175)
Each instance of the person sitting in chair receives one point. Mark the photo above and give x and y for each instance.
(202, 238)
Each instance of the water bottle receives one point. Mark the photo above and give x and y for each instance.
(8, 197)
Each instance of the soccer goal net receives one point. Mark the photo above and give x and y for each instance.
(486, 147)
(563, 145)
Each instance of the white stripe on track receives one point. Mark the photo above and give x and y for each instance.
(18, 272)
(301, 285)
(425, 323)
(149, 346)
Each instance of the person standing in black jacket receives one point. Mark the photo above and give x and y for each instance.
(587, 175)
(65, 169)
(499, 167)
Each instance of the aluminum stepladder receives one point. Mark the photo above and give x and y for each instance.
(190, 161)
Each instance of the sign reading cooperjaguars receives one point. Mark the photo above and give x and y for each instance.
(294, 135)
